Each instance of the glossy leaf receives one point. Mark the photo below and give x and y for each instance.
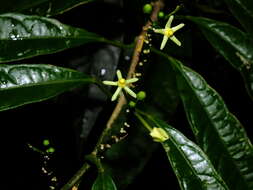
(41, 7)
(126, 159)
(24, 36)
(24, 84)
(243, 11)
(233, 44)
(218, 132)
(104, 182)
(51, 8)
(190, 164)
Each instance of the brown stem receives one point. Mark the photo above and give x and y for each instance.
(75, 179)
(157, 6)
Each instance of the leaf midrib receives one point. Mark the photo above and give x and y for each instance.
(224, 146)
(188, 162)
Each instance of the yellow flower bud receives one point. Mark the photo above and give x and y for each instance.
(159, 134)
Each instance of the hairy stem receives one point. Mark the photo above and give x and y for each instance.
(76, 178)
(157, 6)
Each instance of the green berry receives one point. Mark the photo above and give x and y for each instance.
(51, 150)
(147, 9)
(160, 14)
(132, 104)
(46, 142)
(141, 95)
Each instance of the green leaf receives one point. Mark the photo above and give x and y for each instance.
(233, 44)
(51, 8)
(104, 182)
(192, 167)
(24, 36)
(24, 84)
(41, 7)
(243, 11)
(218, 132)
(128, 157)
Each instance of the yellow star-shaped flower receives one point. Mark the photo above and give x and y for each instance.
(122, 84)
(168, 32)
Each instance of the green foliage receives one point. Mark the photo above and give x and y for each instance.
(104, 182)
(214, 126)
(26, 83)
(235, 45)
(24, 36)
(190, 164)
(41, 7)
(243, 11)
(219, 154)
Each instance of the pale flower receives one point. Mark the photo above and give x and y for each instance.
(168, 32)
(122, 84)
(159, 134)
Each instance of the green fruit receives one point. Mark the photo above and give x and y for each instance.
(160, 14)
(147, 9)
(51, 150)
(46, 142)
(141, 95)
(132, 104)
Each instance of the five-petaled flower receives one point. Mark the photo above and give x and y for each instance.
(122, 84)
(168, 32)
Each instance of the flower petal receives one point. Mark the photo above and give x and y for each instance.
(168, 24)
(175, 28)
(111, 83)
(159, 31)
(116, 94)
(119, 75)
(174, 39)
(165, 39)
(130, 92)
(132, 80)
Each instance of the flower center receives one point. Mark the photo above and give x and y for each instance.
(122, 82)
(168, 32)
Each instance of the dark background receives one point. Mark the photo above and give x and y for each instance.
(64, 118)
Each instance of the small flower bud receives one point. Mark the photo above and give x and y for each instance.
(132, 104)
(51, 150)
(160, 14)
(147, 8)
(159, 135)
(141, 95)
(46, 142)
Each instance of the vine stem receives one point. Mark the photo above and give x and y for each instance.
(157, 6)
(76, 178)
